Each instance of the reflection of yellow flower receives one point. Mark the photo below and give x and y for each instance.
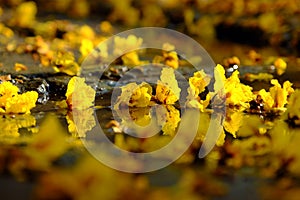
(233, 121)
(167, 90)
(141, 116)
(198, 103)
(88, 179)
(79, 94)
(293, 110)
(84, 122)
(244, 152)
(48, 144)
(12, 102)
(10, 126)
(285, 143)
(204, 121)
(251, 125)
(170, 119)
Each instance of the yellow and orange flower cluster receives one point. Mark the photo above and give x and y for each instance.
(13, 102)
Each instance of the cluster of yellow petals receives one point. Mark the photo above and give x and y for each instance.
(167, 90)
(140, 96)
(258, 77)
(12, 102)
(47, 145)
(293, 108)
(169, 58)
(236, 93)
(130, 47)
(277, 97)
(198, 83)
(79, 95)
(170, 119)
(65, 62)
(130, 43)
(135, 95)
(280, 66)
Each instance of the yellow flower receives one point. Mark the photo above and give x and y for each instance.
(198, 103)
(79, 95)
(123, 11)
(86, 32)
(106, 27)
(134, 95)
(20, 67)
(169, 56)
(24, 15)
(236, 93)
(86, 47)
(280, 66)
(5, 31)
(269, 22)
(65, 62)
(267, 99)
(12, 102)
(260, 77)
(167, 90)
(153, 15)
(171, 59)
(280, 94)
(198, 82)
(132, 59)
(168, 47)
(277, 95)
(228, 62)
(122, 45)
